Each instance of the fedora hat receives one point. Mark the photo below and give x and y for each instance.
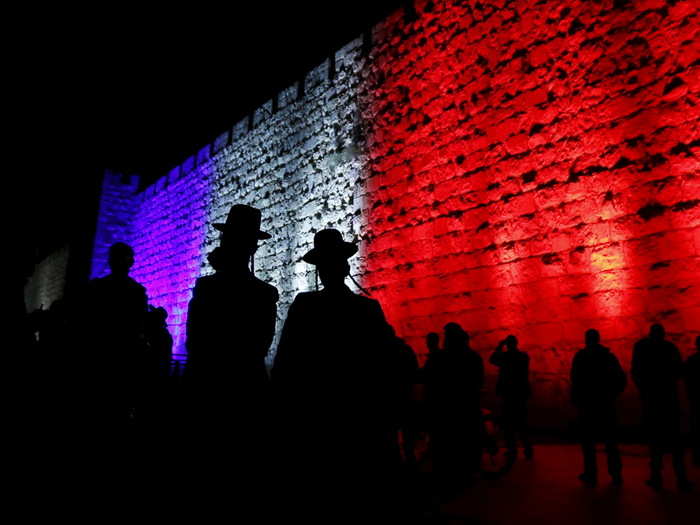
(329, 245)
(244, 220)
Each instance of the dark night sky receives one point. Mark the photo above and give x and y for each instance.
(138, 91)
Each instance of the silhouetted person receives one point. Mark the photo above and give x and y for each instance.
(656, 369)
(216, 259)
(597, 380)
(25, 398)
(453, 378)
(53, 354)
(230, 326)
(432, 342)
(55, 330)
(19, 335)
(692, 380)
(159, 343)
(337, 373)
(113, 316)
(408, 402)
(156, 368)
(513, 387)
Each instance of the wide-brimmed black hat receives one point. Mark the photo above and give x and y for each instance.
(243, 220)
(329, 245)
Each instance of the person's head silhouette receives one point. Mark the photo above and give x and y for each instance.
(160, 314)
(592, 338)
(432, 341)
(214, 259)
(121, 259)
(657, 332)
(239, 236)
(455, 336)
(330, 255)
(511, 342)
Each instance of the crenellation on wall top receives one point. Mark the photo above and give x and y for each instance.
(239, 130)
(189, 164)
(349, 51)
(174, 174)
(317, 76)
(221, 142)
(262, 113)
(203, 155)
(121, 180)
(348, 55)
(287, 96)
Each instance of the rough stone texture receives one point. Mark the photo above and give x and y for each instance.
(534, 170)
(114, 217)
(165, 226)
(301, 166)
(526, 167)
(48, 281)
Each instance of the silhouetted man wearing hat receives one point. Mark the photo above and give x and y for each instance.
(230, 326)
(335, 374)
(232, 315)
(657, 367)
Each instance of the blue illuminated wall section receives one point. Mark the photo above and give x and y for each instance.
(296, 159)
(165, 225)
(114, 217)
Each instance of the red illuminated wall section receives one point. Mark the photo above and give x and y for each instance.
(535, 169)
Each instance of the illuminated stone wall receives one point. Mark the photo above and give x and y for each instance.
(48, 281)
(535, 171)
(300, 164)
(526, 167)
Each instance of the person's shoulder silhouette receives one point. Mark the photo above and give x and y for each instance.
(692, 373)
(121, 260)
(455, 373)
(596, 374)
(325, 329)
(514, 366)
(656, 364)
(117, 299)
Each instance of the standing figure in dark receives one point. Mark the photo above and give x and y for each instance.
(230, 326)
(513, 387)
(692, 381)
(113, 316)
(453, 379)
(337, 377)
(657, 368)
(597, 380)
(156, 365)
(409, 411)
(159, 341)
(432, 343)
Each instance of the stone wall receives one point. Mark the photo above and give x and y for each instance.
(526, 167)
(534, 170)
(48, 281)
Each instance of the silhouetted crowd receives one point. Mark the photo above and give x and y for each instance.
(331, 432)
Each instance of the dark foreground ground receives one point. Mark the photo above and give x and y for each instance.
(546, 491)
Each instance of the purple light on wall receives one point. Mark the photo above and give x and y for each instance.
(114, 218)
(168, 230)
(165, 225)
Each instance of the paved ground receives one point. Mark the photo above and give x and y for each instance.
(547, 492)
